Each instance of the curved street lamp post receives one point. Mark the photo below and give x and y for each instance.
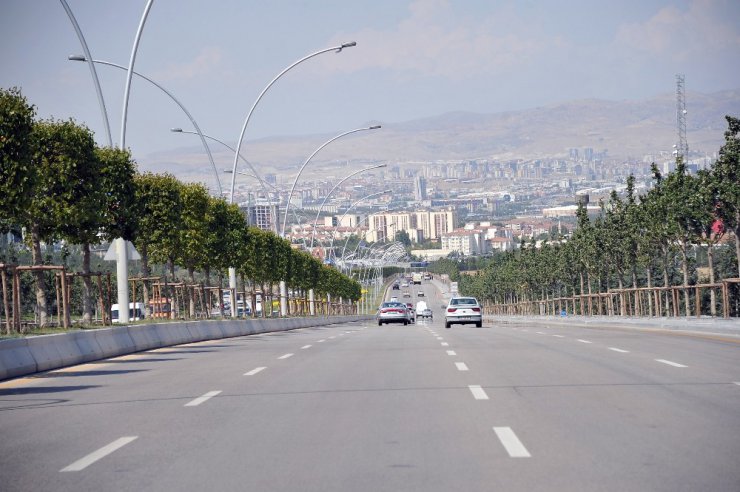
(171, 96)
(313, 234)
(337, 49)
(295, 181)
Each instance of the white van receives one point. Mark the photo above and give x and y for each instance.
(135, 312)
(422, 310)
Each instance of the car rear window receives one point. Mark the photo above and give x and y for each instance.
(467, 301)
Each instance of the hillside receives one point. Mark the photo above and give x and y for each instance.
(624, 128)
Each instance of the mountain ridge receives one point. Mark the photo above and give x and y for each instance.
(625, 129)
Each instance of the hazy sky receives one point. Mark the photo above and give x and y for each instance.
(413, 59)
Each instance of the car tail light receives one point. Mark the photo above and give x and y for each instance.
(476, 309)
(451, 310)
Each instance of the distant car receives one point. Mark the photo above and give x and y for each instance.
(422, 310)
(406, 294)
(395, 287)
(394, 299)
(463, 310)
(405, 284)
(412, 312)
(393, 312)
(420, 293)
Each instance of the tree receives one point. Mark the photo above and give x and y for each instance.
(60, 206)
(17, 174)
(727, 172)
(160, 204)
(157, 198)
(193, 229)
(403, 238)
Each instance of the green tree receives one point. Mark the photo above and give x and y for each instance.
(60, 205)
(17, 173)
(727, 172)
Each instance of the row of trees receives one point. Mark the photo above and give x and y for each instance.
(637, 241)
(57, 184)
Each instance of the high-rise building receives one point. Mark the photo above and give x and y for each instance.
(263, 215)
(420, 188)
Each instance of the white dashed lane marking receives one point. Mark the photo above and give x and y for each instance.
(285, 356)
(511, 443)
(91, 458)
(619, 350)
(461, 366)
(559, 336)
(445, 344)
(478, 392)
(584, 341)
(451, 352)
(202, 399)
(255, 371)
(305, 347)
(674, 364)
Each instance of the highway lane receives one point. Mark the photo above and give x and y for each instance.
(362, 407)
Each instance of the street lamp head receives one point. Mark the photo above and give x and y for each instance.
(176, 130)
(346, 45)
(77, 58)
(374, 127)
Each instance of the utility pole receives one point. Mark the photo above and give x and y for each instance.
(682, 146)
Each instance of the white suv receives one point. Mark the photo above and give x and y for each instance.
(463, 310)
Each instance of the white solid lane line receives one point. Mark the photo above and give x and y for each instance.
(285, 356)
(584, 341)
(451, 352)
(461, 366)
(445, 344)
(511, 443)
(305, 347)
(478, 392)
(674, 364)
(255, 371)
(203, 398)
(619, 350)
(91, 458)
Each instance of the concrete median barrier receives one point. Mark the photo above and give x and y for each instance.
(145, 337)
(16, 359)
(114, 341)
(22, 356)
(87, 344)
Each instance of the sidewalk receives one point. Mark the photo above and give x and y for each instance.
(704, 325)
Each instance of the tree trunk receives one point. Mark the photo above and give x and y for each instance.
(668, 297)
(86, 286)
(146, 273)
(685, 270)
(191, 295)
(649, 275)
(41, 304)
(712, 293)
(737, 242)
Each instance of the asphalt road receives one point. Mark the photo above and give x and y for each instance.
(358, 407)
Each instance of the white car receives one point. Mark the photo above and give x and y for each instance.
(393, 312)
(463, 310)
